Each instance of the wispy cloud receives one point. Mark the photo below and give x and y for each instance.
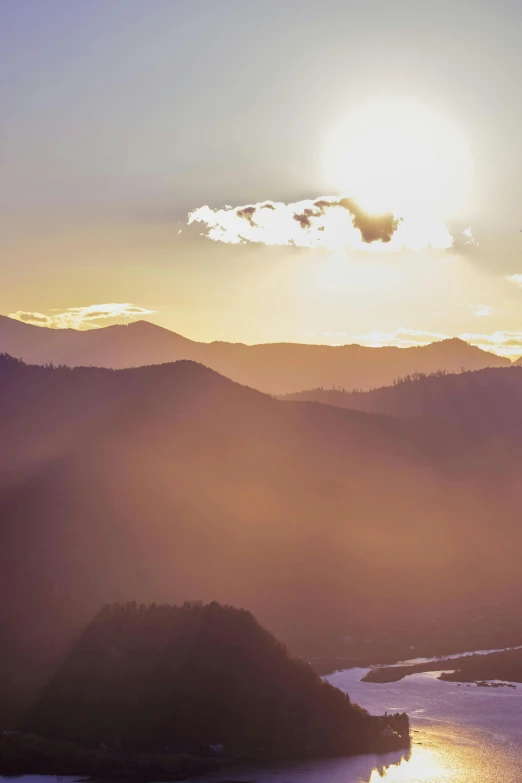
(82, 318)
(401, 337)
(503, 343)
(333, 222)
(466, 237)
(516, 279)
(481, 310)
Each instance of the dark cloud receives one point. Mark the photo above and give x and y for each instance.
(373, 228)
(38, 317)
(304, 218)
(247, 213)
(95, 315)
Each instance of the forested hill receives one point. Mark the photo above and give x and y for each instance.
(487, 400)
(194, 676)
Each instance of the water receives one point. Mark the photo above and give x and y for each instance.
(461, 734)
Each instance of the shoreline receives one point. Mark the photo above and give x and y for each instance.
(328, 665)
(484, 668)
(55, 758)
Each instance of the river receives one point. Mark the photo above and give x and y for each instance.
(461, 734)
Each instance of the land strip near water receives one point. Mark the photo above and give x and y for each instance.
(487, 669)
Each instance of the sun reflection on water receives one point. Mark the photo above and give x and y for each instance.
(425, 765)
(441, 757)
(441, 753)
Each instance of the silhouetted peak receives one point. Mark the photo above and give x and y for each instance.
(145, 327)
(148, 329)
(451, 343)
(456, 346)
(454, 341)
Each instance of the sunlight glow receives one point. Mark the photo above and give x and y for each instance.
(403, 157)
(423, 767)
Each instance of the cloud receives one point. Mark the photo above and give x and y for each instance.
(34, 318)
(331, 222)
(401, 338)
(467, 237)
(516, 279)
(248, 214)
(305, 219)
(502, 343)
(82, 318)
(481, 310)
(373, 228)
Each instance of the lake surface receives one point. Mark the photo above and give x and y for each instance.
(461, 734)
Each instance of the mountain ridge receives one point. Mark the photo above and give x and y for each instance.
(274, 368)
(181, 445)
(486, 400)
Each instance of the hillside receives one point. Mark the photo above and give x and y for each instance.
(171, 483)
(193, 676)
(274, 368)
(486, 401)
(36, 615)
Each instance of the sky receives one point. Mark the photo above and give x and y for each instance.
(374, 146)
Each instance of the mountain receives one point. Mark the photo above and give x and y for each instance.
(135, 344)
(171, 483)
(486, 401)
(195, 676)
(275, 368)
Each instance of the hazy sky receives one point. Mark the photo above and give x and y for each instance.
(121, 117)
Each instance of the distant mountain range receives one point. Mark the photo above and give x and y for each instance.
(171, 482)
(274, 368)
(487, 401)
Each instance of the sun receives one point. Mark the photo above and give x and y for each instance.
(407, 158)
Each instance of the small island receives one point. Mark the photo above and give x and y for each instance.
(160, 692)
